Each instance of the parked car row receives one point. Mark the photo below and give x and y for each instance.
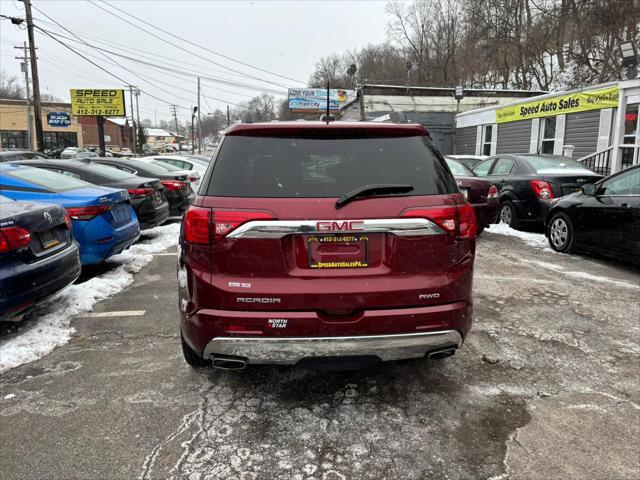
(59, 215)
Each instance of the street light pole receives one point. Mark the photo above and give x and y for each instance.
(37, 109)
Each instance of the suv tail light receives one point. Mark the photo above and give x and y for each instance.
(13, 238)
(87, 213)
(493, 192)
(174, 185)
(225, 221)
(200, 223)
(541, 189)
(459, 221)
(197, 225)
(140, 192)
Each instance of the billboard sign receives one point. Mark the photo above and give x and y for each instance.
(314, 100)
(98, 102)
(58, 119)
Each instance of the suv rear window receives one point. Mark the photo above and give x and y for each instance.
(271, 167)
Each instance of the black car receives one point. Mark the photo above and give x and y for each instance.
(38, 256)
(528, 182)
(147, 195)
(604, 218)
(17, 155)
(177, 186)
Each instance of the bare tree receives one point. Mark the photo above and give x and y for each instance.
(10, 87)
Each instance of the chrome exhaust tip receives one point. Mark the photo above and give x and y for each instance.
(228, 363)
(441, 353)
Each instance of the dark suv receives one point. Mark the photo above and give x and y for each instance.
(310, 242)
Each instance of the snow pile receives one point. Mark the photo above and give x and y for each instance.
(533, 239)
(51, 327)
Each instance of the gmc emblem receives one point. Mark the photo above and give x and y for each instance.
(344, 226)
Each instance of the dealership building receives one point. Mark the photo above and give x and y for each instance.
(60, 128)
(433, 107)
(596, 125)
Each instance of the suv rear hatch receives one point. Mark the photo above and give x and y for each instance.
(270, 216)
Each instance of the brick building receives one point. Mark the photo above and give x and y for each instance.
(117, 133)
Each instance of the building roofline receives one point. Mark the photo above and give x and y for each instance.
(541, 97)
(22, 101)
(403, 90)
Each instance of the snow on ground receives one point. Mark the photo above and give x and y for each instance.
(51, 326)
(530, 238)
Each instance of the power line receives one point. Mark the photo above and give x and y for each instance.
(181, 48)
(95, 64)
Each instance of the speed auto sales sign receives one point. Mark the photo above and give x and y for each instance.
(98, 102)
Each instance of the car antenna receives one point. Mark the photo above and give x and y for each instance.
(327, 119)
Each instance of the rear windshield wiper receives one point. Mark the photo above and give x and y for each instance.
(371, 191)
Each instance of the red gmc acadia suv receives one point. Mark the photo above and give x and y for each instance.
(345, 242)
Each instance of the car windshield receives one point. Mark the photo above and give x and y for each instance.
(458, 169)
(47, 179)
(86, 155)
(324, 167)
(555, 164)
(107, 171)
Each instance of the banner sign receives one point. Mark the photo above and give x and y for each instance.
(314, 100)
(569, 103)
(58, 119)
(98, 102)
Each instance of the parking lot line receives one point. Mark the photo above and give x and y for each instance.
(121, 313)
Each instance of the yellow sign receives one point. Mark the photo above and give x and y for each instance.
(572, 103)
(98, 102)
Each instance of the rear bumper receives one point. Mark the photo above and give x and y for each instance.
(220, 331)
(290, 350)
(486, 213)
(179, 202)
(154, 216)
(24, 285)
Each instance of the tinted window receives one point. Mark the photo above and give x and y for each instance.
(47, 179)
(555, 164)
(504, 166)
(482, 169)
(324, 167)
(108, 171)
(627, 183)
(166, 166)
(458, 169)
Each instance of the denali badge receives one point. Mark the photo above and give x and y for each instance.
(340, 226)
(277, 322)
(258, 300)
(428, 296)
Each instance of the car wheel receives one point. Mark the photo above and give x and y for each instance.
(561, 233)
(508, 215)
(191, 357)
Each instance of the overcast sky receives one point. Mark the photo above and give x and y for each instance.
(283, 37)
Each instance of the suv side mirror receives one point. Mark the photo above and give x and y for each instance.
(589, 189)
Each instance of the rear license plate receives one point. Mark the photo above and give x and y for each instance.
(48, 239)
(338, 251)
(120, 213)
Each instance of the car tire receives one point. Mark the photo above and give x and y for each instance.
(507, 214)
(191, 357)
(560, 233)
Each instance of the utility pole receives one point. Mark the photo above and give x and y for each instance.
(199, 127)
(228, 117)
(193, 138)
(37, 110)
(137, 94)
(24, 65)
(134, 140)
(175, 117)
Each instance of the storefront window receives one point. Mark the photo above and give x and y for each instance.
(548, 137)
(53, 140)
(14, 139)
(631, 124)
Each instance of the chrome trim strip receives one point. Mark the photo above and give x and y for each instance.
(290, 350)
(279, 228)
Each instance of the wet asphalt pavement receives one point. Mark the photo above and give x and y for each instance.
(545, 387)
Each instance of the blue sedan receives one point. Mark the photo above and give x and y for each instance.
(103, 221)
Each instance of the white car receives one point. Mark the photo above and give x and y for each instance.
(184, 162)
(69, 152)
(193, 175)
